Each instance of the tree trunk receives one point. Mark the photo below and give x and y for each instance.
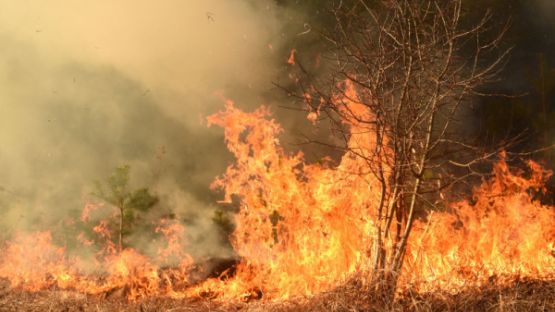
(120, 233)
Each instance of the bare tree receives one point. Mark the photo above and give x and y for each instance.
(415, 65)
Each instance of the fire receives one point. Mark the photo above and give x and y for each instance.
(32, 263)
(304, 228)
(298, 230)
(291, 59)
(504, 231)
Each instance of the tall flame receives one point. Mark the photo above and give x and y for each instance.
(305, 228)
(299, 229)
(502, 231)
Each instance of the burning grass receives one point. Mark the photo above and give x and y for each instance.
(303, 231)
(512, 294)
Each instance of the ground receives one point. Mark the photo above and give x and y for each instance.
(519, 295)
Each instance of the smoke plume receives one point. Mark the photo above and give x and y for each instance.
(88, 86)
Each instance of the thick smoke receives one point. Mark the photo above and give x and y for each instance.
(88, 86)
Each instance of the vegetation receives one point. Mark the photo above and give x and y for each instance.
(115, 191)
(415, 66)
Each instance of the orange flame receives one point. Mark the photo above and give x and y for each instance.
(503, 232)
(31, 262)
(291, 59)
(305, 228)
(291, 230)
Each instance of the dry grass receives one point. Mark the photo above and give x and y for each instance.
(518, 295)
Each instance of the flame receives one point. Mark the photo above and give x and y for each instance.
(291, 59)
(33, 262)
(503, 231)
(297, 231)
(305, 228)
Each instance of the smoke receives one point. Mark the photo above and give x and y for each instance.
(88, 86)
(545, 10)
